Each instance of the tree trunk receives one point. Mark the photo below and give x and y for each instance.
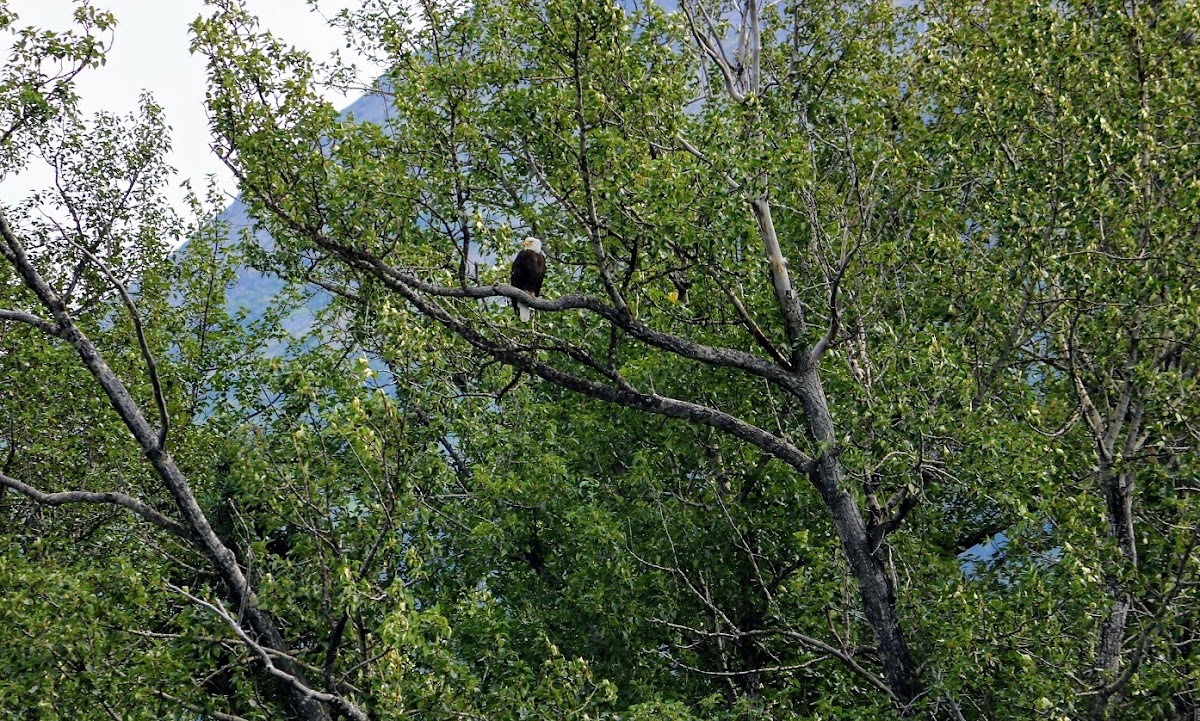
(875, 590)
(1118, 497)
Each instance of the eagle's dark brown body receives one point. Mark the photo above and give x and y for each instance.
(528, 272)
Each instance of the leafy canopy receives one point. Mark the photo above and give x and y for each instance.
(863, 382)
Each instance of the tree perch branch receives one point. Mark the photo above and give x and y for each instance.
(129, 503)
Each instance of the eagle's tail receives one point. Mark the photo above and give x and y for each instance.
(524, 312)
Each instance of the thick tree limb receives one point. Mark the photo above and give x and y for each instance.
(41, 324)
(129, 503)
(712, 355)
(650, 402)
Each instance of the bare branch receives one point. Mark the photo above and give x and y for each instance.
(781, 280)
(41, 324)
(151, 366)
(715, 355)
(713, 52)
(129, 503)
(746, 672)
(755, 331)
(834, 313)
(265, 655)
(843, 657)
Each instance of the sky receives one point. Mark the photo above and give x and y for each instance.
(150, 53)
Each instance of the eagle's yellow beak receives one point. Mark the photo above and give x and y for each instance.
(528, 243)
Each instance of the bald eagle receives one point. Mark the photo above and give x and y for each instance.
(528, 271)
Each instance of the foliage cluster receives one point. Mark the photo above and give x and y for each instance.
(863, 384)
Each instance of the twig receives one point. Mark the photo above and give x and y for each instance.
(747, 672)
(204, 712)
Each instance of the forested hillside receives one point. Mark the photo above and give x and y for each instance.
(834, 293)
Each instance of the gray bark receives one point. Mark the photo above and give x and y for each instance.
(874, 587)
(241, 595)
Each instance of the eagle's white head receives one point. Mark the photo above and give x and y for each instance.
(534, 244)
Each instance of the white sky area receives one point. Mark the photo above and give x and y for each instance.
(150, 53)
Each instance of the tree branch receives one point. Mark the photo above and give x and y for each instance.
(805, 640)
(265, 654)
(223, 560)
(129, 503)
(834, 314)
(781, 280)
(151, 366)
(712, 355)
(41, 324)
(974, 538)
(202, 712)
(698, 155)
(713, 53)
(906, 503)
(1090, 413)
(408, 287)
(585, 174)
(1139, 651)
(755, 331)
